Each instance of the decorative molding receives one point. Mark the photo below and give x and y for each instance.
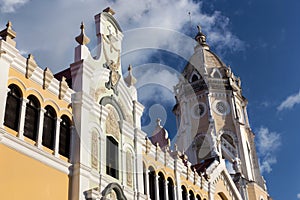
(48, 76)
(30, 66)
(63, 87)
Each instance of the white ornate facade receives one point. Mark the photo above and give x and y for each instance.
(77, 134)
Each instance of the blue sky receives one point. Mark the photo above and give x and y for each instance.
(259, 39)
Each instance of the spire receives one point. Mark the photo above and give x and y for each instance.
(130, 79)
(201, 38)
(8, 34)
(82, 39)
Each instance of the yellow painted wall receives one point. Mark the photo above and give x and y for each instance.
(22, 177)
(256, 192)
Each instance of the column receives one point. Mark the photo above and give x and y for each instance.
(156, 187)
(72, 142)
(174, 192)
(57, 133)
(166, 189)
(146, 188)
(22, 118)
(40, 133)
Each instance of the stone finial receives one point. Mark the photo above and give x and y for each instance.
(109, 10)
(201, 38)
(8, 34)
(30, 66)
(63, 87)
(48, 76)
(130, 79)
(82, 39)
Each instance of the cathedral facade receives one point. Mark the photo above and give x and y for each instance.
(77, 134)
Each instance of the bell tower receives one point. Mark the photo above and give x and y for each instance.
(212, 117)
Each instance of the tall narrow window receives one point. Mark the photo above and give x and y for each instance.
(49, 127)
(183, 193)
(64, 136)
(112, 157)
(152, 189)
(198, 197)
(161, 186)
(191, 194)
(13, 107)
(170, 189)
(32, 118)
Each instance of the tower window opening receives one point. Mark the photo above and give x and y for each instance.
(112, 157)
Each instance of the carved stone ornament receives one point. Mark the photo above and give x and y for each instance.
(112, 57)
(129, 168)
(112, 123)
(94, 150)
(114, 76)
(30, 66)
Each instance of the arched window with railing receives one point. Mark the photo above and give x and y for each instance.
(49, 127)
(65, 136)
(13, 107)
(31, 126)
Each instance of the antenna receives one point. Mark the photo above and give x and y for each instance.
(190, 16)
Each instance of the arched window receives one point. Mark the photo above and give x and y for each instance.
(198, 197)
(161, 186)
(191, 195)
(183, 192)
(112, 157)
(152, 188)
(64, 136)
(170, 189)
(13, 107)
(31, 125)
(49, 127)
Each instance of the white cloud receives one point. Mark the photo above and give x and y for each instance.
(298, 196)
(289, 102)
(267, 143)
(8, 6)
(51, 35)
(158, 74)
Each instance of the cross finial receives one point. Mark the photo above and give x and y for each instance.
(199, 28)
(82, 26)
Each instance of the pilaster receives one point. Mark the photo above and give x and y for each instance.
(56, 141)
(40, 132)
(22, 118)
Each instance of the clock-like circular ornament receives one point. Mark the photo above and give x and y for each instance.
(221, 107)
(198, 110)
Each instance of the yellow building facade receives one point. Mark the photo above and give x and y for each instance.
(77, 134)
